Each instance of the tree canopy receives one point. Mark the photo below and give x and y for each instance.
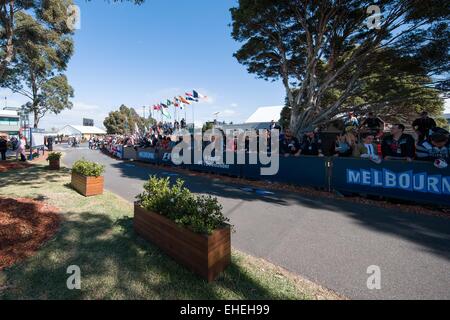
(124, 121)
(42, 51)
(330, 58)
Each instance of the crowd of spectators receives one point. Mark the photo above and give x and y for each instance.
(369, 138)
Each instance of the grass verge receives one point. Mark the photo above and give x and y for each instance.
(97, 235)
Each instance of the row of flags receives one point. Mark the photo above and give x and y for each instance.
(178, 102)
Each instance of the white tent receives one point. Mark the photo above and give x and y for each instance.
(266, 114)
(71, 130)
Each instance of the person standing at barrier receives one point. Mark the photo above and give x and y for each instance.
(343, 148)
(367, 149)
(436, 148)
(311, 144)
(3, 147)
(289, 145)
(399, 145)
(423, 125)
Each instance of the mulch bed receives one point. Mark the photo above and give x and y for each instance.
(25, 225)
(9, 165)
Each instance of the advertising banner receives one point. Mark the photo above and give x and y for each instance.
(147, 155)
(415, 181)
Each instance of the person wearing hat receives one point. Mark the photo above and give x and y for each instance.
(436, 148)
(311, 144)
(3, 147)
(423, 125)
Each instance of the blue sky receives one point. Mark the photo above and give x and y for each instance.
(139, 55)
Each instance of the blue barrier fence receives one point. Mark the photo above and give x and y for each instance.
(301, 171)
(416, 181)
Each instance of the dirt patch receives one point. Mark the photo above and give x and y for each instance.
(25, 225)
(11, 165)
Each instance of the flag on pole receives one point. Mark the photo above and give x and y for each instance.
(191, 99)
(184, 100)
(198, 95)
(167, 115)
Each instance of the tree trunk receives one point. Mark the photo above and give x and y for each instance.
(36, 118)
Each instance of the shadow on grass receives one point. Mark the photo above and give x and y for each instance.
(116, 264)
(31, 176)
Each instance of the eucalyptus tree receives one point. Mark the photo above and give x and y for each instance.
(332, 55)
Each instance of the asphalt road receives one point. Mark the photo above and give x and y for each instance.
(327, 241)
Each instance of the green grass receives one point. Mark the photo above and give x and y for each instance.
(97, 235)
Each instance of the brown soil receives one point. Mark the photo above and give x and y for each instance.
(25, 225)
(9, 165)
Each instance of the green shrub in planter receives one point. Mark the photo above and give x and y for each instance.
(88, 169)
(201, 214)
(54, 156)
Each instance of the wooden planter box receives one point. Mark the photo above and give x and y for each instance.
(205, 255)
(54, 165)
(87, 186)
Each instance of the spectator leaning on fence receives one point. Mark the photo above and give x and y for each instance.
(367, 149)
(342, 147)
(436, 148)
(398, 146)
(311, 144)
(289, 144)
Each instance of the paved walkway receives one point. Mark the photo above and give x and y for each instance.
(328, 241)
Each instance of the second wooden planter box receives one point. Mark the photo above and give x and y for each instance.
(54, 165)
(87, 186)
(205, 255)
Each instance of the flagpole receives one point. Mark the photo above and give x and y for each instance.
(193, 116)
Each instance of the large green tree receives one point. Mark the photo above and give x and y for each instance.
(43, 49)
(330, 57)
(124, 121)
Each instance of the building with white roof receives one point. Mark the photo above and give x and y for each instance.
(81, 131)
(266, 115)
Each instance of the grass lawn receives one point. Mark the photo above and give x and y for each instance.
(97, 235)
